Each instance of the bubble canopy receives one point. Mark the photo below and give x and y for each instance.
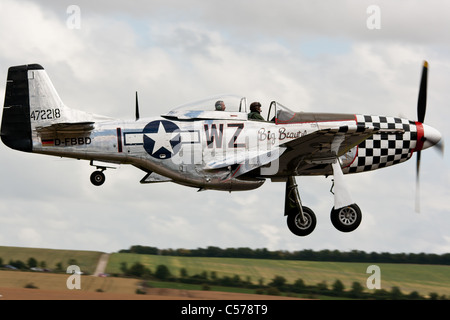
(235, 107)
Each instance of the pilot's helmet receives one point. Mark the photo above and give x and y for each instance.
(254, 106)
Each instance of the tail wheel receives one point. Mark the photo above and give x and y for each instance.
(97, 178)
(346, 219)
(295, 224)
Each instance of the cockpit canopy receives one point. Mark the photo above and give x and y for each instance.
(236, 108)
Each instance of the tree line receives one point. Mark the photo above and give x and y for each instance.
(35, 265)
(303, 255)
(276, 286)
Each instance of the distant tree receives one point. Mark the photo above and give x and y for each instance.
(322, 286)
(59, 267)
(278, 282)
(338, 287)
(18, 264)
(162, 272)
(414, 295)
(183, 273)
(139, 270)
(236, 280)
(433, 296)
(32, 262)
(396, 293)
(380, 294)
(298, 286)
(143, 250)
(357, 290)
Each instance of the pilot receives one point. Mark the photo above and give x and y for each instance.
(220, 106)
(255, 112)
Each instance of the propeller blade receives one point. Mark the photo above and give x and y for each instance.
(137, 107)
(422, 101)
(421, 110)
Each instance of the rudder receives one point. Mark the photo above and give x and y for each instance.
(16, 123)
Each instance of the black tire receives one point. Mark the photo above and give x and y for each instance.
(346, 219)
(295, 226)
(97, 178)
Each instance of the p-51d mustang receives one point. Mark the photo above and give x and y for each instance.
(198, 146)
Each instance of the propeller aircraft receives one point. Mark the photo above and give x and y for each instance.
(213, 144)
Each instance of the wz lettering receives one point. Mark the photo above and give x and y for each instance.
(214, 135)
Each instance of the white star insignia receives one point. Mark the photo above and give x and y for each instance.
(161, 138)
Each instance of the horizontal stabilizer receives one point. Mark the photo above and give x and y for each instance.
(75, 127)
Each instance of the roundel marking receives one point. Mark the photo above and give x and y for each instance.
(162, 139)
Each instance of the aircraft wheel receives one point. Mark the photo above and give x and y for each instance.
(295, 225)
(346, 219)
(97, 178)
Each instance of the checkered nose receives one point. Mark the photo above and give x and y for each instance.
(430, 136)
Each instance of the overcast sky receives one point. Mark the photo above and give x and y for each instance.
(308, 55)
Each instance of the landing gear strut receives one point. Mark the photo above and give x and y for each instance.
(98, 177)
(300, 220)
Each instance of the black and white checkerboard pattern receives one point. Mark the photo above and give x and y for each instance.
(385, 149)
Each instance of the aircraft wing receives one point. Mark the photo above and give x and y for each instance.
(321, 148)
(295, 157)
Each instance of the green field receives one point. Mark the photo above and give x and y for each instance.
(408, 277)
(86, 260)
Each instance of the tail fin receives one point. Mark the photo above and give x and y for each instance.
(31, 102)
(16, 123)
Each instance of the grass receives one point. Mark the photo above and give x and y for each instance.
(408, 277)
(52, 281)
(86, 260)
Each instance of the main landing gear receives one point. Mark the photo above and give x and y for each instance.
(98, 177)
(301, 220)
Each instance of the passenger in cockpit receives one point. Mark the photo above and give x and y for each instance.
(220, 106)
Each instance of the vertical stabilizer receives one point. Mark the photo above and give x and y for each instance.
(16, 126)
(32, 103)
